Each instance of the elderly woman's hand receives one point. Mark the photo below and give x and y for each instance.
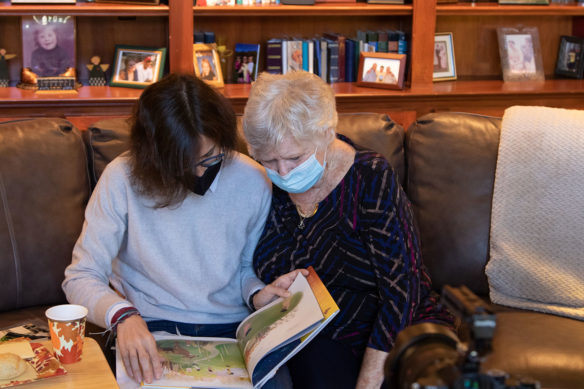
(277, 288)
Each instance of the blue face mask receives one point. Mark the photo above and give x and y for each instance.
(301, 178)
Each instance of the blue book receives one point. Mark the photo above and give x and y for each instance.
(350, 69)
(305, 55)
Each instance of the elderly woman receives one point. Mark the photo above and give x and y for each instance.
(340, 209)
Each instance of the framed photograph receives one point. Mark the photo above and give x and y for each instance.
(137, 67)
(570, 62)
(141, 2)
(444, 64)
(526, 2)
(48, 45)
(520, 54)
(245, 62)
(381, 70)
(207, 65)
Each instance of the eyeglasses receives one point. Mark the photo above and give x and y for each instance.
(211, 161)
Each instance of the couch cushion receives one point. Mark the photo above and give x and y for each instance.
(106, 139)
(451, 159)
(376, 132)
(44, 187)
(544, 347)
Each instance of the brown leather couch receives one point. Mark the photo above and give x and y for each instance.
(445, 161)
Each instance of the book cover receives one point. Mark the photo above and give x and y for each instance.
(265, 340)
(293, 55)
(274, 56)
(245, 62)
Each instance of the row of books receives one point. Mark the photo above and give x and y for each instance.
(333, 57)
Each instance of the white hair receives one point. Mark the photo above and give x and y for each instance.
(297, 104)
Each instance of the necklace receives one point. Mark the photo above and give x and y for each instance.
(303, 216)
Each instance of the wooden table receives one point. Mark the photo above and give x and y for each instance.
(92, 372)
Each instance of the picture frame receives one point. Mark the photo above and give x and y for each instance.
(245, 62)
(373, 70)
(520, 54)
(48, 47)
(525, 2)
(444, 62)
(207, 64)
(137, 2)
(570, 62)
(137, 66)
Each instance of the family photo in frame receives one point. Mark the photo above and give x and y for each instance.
(48, 49)
(381, 70)
(444, 64)
(137, 67)
(570, 62)
(207, 64)
(520, 54)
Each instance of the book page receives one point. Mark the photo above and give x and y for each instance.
(200, 362)
(279, 323)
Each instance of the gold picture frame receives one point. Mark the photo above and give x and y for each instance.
(207, 64)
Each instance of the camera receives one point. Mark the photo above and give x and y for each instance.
(431, 356)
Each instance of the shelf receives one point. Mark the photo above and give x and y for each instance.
(328, 9)
(84, 9)
(494, 9)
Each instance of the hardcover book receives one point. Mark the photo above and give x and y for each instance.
(265, 340)
(274, 56)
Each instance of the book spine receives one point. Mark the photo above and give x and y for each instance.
(305, 55)
(274, 57)
(333, 61)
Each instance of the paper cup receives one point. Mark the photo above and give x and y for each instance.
(67, 328)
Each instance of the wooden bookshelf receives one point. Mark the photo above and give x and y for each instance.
(479, 87)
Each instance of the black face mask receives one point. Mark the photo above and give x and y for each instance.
(203, 182)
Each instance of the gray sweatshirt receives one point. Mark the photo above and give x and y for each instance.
(189, 263)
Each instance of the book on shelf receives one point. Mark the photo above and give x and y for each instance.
(264, 341)
(246, 61)
(293, 55)
(274, 56)
(332, 61)
(341, 44)
(386, 1)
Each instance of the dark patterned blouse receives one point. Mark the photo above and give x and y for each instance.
(363, 244)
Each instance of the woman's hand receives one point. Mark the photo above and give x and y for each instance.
(277, 288)
(138, 350)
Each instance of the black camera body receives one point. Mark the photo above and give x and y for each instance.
(431, 356)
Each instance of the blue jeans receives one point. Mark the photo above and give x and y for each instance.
(281, 380)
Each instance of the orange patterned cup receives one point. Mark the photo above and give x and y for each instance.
(67, 328)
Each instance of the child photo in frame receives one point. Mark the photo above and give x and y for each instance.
(48, 45)
(381, 70)
(444, 64)
(137, 67)
(207, 65)
(520, 54)
(570, 62)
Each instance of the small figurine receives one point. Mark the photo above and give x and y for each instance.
(4, 73)
(97, 72)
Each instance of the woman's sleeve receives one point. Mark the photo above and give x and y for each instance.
(87, 277)
(392, 240)
(250, 283)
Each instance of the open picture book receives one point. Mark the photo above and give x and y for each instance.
(265, 340)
